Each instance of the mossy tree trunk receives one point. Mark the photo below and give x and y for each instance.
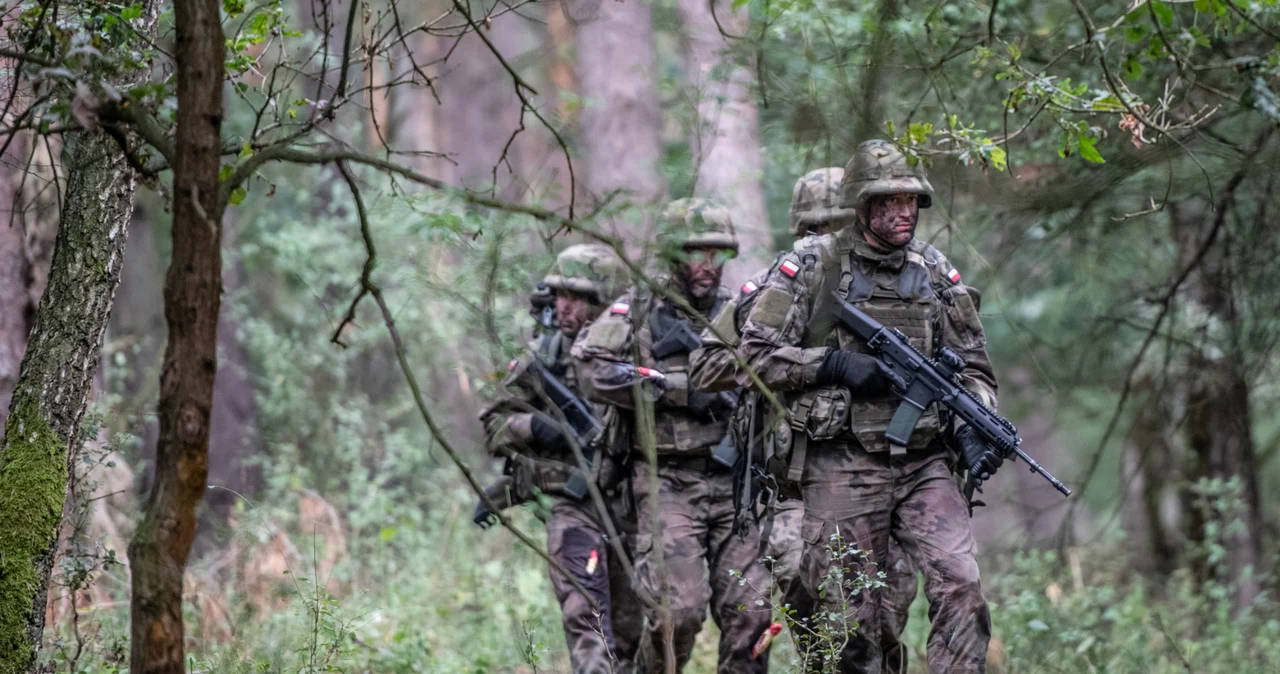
(192, 296)
(53, 383)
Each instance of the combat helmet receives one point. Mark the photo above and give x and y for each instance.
(696, 223)
(815, 200)
(591, 269)
(878, 168)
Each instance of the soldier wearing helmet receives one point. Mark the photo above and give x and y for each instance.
(815, 211)
(520, 429)
(839, 400)
(643, 333)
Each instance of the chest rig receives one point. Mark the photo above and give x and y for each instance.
(676, 430)
(897, 291)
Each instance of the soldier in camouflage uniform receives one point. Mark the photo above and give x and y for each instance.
(855, 485)
(517, 428)
(815, 211)
(694, 493)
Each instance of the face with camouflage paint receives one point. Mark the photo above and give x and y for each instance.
(700, 270)
(573, 310)
(892, 220)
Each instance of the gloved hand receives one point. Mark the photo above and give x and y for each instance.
(981, 459)
(547, 435)
(863, 375)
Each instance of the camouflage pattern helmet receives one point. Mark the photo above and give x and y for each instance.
(591, 269)
(815, 200)
(878, 168)
(697, 223)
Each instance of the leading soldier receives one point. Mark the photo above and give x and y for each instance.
(520, 428)
(694, 502)
(815, 211)
(856, 487)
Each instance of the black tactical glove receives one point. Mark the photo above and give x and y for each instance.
(547, 435)
(864, 375)
(483, 517)
(981, 459)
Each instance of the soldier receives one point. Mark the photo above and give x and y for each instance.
(815, 211)
(855, 485)
(695, 484)
(541, 460)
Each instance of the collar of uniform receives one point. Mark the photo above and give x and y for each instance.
(893, 259)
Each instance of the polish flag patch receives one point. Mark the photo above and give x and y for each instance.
(766, 638)
(592, 562)
(954, 275)
(789, 268)
(512, 365)
(647, 372)
(621, 308)
(749, 287)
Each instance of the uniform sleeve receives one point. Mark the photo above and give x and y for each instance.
(962, 332)
(603, 357)
(712, 366)
(773, 329)
(507, 422)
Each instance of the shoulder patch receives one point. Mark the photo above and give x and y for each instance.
(789, 268)
(749, 287)
(953, 275)
(610, 336)
(771, 308)
(620, 308)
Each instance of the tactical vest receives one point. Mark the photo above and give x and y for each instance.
(676, 430)
(906, 299)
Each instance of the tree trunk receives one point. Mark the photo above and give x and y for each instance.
(871, 108)
(725, 142)
(620, 127)
(55, 378)
(28, 225)
(1219, 424)
(192, 295)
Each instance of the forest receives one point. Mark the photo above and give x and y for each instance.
(265, 264)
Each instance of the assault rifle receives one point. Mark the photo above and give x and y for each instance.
(931, 381)
(680, 338)
(582, 423)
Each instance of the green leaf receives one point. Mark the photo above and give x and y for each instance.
(238, 195)
(1163, 12)
(131, 12)
(739, 3)
(225, 172)
(1203, 6)
(1132, 68)
(1135, 33)
(1014, 52)
(233, 8)
(387, 534)
(999, 159)
(245, 151)
(1089, 152)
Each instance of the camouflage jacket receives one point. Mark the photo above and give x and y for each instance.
(607, 369)
(790, 328)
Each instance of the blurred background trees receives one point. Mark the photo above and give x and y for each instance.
(1105, 175)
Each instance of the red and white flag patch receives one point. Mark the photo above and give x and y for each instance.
(749, 287)
(512, 365)
(789, 268)
(620, 308)
(954, 275)
(647, 372)
(592, 562)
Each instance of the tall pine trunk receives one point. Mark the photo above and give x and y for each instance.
(726, 142)
(192, 296)
(53, 383)
(621, 125)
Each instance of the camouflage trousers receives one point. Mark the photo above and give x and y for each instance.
(869, 499)
(604, 641)
(699, 552)
(785, 552)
